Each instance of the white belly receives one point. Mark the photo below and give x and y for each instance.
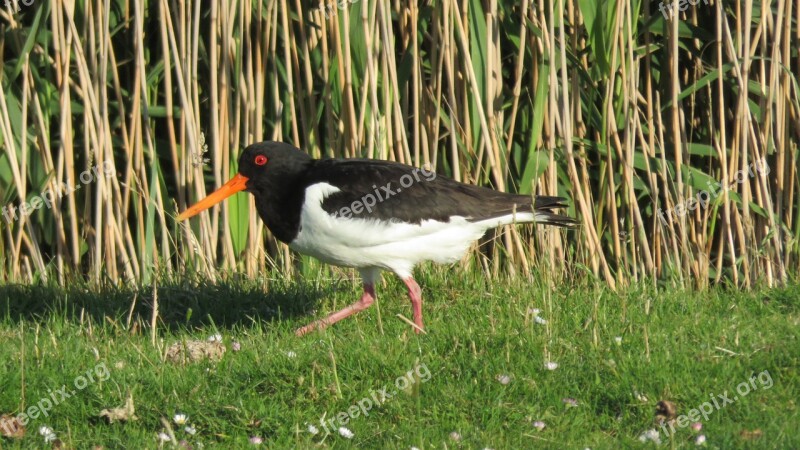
(395, 246)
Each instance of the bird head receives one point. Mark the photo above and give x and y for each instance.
(260, 165)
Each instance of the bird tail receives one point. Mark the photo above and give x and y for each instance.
(542, 209)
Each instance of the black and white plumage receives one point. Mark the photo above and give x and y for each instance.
(372, 215)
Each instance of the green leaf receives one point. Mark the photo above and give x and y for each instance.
(478, 48)
(148, 258)
(538, 161)
(239, 218)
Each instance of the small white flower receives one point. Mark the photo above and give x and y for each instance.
(539, 425)
(504, 379)
(650, 435)
(215, 338)
(700, 440)
(344, 432)
(291, 354)
(550, 365)
(236, 346)
(618, 340)
(534, 311)
(639, 396)
(570, 402)
(163, 437)
(455, 436)
(199, 159)
(179, 419)
(190, 429)
(256, 440)
(312, 429)
(48, 434)
(539, 320)
(413, 448)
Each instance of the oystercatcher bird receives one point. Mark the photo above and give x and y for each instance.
(372, 215)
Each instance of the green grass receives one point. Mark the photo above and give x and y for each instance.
(699, 344)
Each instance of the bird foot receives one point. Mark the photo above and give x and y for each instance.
(317, 325)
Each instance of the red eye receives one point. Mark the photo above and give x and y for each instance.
(261, 160)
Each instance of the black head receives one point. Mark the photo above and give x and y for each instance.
(263, 168)
(268, 162)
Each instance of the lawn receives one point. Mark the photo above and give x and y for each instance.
(507, 364)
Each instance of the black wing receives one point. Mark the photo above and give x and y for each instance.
(392, 191)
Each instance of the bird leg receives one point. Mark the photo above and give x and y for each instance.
(365, 302)
(415, 294)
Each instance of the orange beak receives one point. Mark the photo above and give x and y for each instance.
(236, 184)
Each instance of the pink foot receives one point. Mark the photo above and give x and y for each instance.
(365, 302)
(415, 294)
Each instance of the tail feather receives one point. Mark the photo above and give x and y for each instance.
(506, 206)
(549, 218)
(542, 207)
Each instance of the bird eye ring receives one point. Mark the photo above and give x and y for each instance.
(261, 160)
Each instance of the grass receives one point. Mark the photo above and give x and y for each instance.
(677, 346)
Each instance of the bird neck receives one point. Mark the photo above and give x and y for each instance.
(279, 204)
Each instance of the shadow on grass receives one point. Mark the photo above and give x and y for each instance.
(223, 304)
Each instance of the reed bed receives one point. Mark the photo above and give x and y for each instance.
(675, 137)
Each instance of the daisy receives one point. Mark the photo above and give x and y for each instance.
(650, 435)
(255, 440)
(550, 365)
(190, 429)
(700, 440)
(312, 429)
(163, 437)
(215, 338)
(539, 425)
(179, 419)
(504, 379)
(570, 402)
(344, 432)
(539, 320)
(48, 434)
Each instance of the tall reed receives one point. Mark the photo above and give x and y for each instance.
(676, 138)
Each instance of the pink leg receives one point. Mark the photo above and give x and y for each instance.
(366, 301)
(415, 294)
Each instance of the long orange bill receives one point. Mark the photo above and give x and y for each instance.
(236, 184)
